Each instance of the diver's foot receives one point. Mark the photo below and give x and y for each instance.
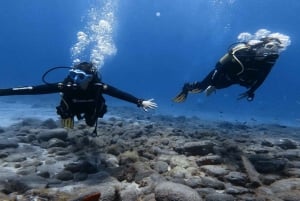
(195, 91)
(209, 90)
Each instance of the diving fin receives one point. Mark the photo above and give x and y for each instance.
(180, 97)
(68, 122)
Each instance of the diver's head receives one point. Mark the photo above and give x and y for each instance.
(82, 74)
(272, 44)
(277, 41)
(87, 67)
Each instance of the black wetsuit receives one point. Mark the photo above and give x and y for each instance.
(245, 65)
(76, 101)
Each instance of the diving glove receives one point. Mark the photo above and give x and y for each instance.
(68, 122)
(148, 104)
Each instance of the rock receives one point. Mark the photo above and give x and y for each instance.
(42, 194)
(285, 189)
(82, 166)
(26, 170)
(141, 171)
(294, 164)
(4, 197)
(3, 155)
(209, 160)
(267, 143)
(292, 172)
(47, 134)
(128, 157)
(81, 176)
(269, 178)
(161, 167)
(34, 181)
(44, 174)
(219, 197)
(179, 161)
(15, 158)
(236, 190)
(210, 182)
(236, 178)
(178, 172)
(215, 170)
(169, 191)
(55, 142)
(79, 164)
(8, 143)
(109, 160)
(199, 148)
(292, 195)
(157, 151)
(65, 175)
(30, 122)
(49, 123)
(266, 164)
(286, 144)
(149, 197)
(194, 182)
(286, 185)
(109, 192)
(130, 193)
(291, 154)
(13, 185)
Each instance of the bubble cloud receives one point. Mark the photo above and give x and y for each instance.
(96, 42)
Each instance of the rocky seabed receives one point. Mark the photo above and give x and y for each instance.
(149, 158)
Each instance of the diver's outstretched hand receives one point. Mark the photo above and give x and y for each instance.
(148, 104)
(248, 95)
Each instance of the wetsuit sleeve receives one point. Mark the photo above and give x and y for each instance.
(266, 66)
(32, 90)
(114, 92)
(261, 78)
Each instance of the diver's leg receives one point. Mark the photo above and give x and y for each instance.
(195, 87)
(218, 80)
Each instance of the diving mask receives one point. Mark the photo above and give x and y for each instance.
(273, 45)
(80, 77)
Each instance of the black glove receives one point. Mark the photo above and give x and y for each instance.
(249, 95)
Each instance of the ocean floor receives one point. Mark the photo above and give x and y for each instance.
(139, 156)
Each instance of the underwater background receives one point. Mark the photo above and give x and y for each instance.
(150, 48)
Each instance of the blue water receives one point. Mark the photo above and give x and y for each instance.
(151, 47)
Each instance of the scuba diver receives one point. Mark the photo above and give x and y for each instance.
(81, 95)
(247, 63)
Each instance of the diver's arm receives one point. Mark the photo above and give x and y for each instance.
(265, 66)
(114, 92)
(249, 94)
(259, 82)
(263, 62)
(32, 90)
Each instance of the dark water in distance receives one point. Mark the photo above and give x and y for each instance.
(151, 47)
